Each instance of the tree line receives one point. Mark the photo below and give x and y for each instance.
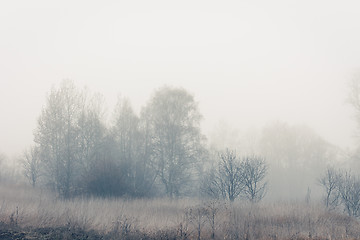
(160, 152)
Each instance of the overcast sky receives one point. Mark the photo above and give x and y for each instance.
(246, 62)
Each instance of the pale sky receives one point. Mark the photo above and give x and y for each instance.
(246, 62)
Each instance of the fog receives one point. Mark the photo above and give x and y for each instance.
(246, 63)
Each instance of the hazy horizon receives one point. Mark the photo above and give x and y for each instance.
(247, 63)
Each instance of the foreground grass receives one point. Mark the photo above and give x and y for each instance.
(34, 214)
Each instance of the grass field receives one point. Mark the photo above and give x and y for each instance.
(26, 213)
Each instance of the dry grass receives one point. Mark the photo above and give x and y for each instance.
(173, 219)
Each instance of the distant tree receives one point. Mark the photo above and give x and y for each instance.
(253, 171)
(69, 134)
(210, 186)
(57, 134)
(229, 178)
(129, 140)
(330, 182)
(92, 132)
(106, 178)
(32, 165)
(349, 190)
(173, 125)
(294, 152)
(232, 177)
(342, 188)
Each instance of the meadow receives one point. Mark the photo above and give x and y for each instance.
(27, 213)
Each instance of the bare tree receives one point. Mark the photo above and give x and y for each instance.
(229, 175)
(176, 142)
(253, 171)
(211, 185)
(132, 158)
(91, 131)
(330, 182)
(233, 178)
(32, 165)
(90, 135)
(57, 136)
(225, 179)
(349, 189)
(342, 188)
